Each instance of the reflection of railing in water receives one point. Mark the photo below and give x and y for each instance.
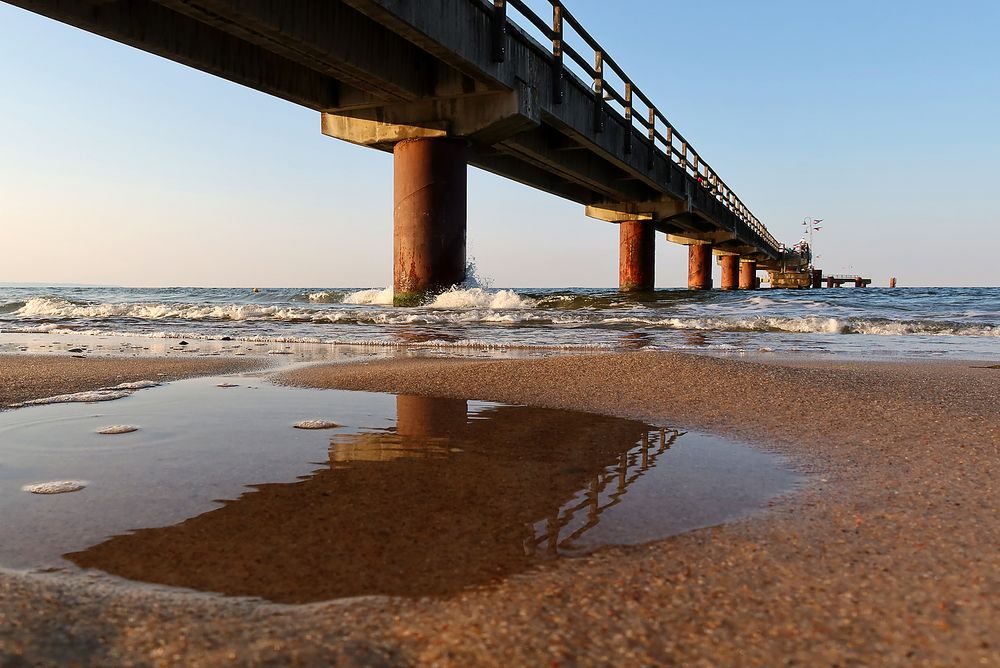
(639, 457)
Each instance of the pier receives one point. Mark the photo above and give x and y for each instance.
(534, 98)
(837, 280)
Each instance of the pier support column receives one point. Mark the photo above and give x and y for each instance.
(636, 255)
(748, 275)
(817, 278)
(730, 272)
(700, 267)
(429, 219)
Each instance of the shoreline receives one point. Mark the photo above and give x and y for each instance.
(887, 554)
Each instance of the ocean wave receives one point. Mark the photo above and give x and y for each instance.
(55, 308)
(325, 297)
(812, 325)
(11, 307)
(479, 298)
(381, 297)
(469, 307)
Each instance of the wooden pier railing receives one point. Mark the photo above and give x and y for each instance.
(614, 91)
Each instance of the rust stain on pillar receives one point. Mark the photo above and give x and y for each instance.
(429, 219)
(748, 275)
(700, 267)
(730, 272)
(636, 255)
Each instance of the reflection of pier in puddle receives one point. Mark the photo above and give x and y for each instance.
(446, 500)
(632, 465)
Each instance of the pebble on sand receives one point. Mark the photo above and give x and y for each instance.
(55, 487)
(316, 424)
(118, 429)
(227, 385)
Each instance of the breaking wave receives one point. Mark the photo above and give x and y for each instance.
(475, 317)
(475, 306)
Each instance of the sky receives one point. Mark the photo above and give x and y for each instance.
(882, 118)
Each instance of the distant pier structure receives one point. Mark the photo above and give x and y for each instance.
(814, 278)
(524, 93)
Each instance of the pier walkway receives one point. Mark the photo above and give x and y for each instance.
(444, 84)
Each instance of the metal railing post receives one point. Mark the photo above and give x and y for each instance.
(652, 139)
(628, 119)
(558, 69)
(598, 91)
(499, 31)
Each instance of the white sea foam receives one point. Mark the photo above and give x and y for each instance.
(325, 297)
(91, 396)
(44, 307)
(77, 397)
(117, 429)
(382, 297)
(479, 298)
(55, 487)
(137, 385)
(316, 424)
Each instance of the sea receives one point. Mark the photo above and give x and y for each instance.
(902, 323)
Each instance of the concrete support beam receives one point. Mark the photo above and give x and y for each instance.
(710, 238)
(637, 256)
(700, 267)
(619, 212)
(487, 119)
(730, 272)
(748, 275)
(429, 219)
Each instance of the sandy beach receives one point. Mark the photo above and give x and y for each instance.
(889, 555)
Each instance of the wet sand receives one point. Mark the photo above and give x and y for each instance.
(889, 556)
(26, 377)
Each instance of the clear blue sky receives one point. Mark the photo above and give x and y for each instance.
(119, 167)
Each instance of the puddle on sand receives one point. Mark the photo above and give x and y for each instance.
(412, 496)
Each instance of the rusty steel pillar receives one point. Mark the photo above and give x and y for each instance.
(730, 272)
(700, 267)
(817, 278)
(429, 219)
(859, 282)
(831, 282)
(636, 255)
(748, 275)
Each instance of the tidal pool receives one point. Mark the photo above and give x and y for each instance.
(407, 496)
